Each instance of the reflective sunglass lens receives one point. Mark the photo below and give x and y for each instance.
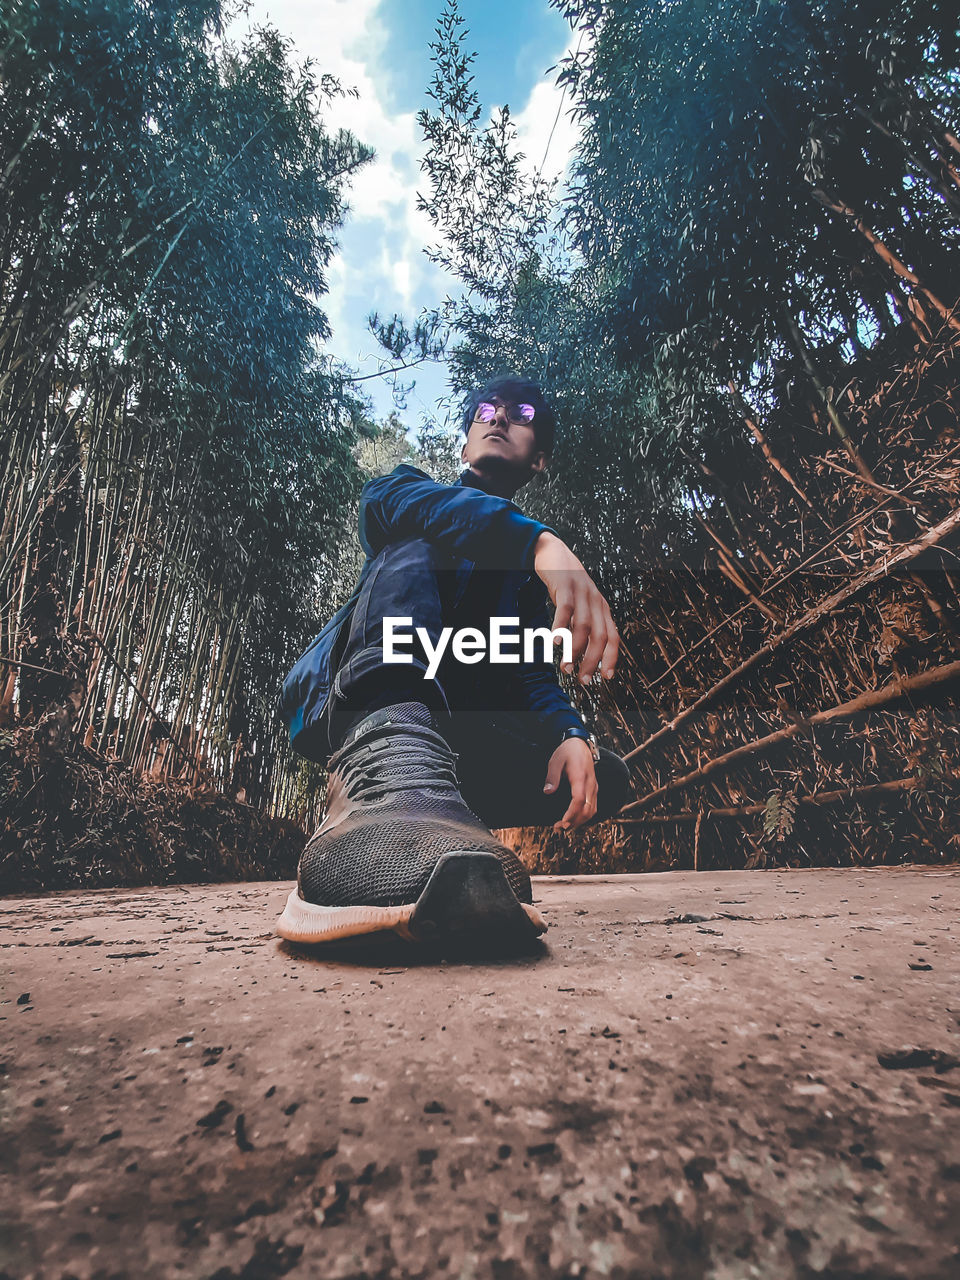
(486, 412)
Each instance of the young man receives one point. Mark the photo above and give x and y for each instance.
(429, 743)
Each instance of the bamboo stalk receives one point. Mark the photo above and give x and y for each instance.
(867, 791)
(901, 687)
(895, 494)
(888, 256)
(731, 572)
(737, 613)
(881, 568)
(765, 449)
(948, 196)
(839, 425)
(135, 688)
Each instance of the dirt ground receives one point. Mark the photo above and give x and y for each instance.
(723, 1075)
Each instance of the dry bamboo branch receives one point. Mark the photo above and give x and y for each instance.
(887, 256)
(913, 156)
(881, 568)
(852, 524)
(735, 573)
(867, 791)
(31, 666)
(826, 399)
(901, 687)
(870, 484)
(781, 470)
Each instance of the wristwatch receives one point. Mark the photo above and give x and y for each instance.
(587, 737)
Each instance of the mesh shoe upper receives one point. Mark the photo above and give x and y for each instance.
(394, 810)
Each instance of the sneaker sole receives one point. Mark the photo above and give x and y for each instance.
(467, 898)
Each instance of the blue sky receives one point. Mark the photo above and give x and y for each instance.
(380, 47)
(514, 42)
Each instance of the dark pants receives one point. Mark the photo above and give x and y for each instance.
(502, 752)
(502, 766)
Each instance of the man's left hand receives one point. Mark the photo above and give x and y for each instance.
(574, 759)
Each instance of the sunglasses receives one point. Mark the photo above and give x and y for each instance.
(518, 414)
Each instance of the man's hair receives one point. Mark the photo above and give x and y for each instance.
(516, 391)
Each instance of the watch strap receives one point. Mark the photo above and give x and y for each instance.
(588, 738)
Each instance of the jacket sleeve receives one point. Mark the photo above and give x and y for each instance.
(540, 687)
(462, 522)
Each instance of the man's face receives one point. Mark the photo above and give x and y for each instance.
(505, 442)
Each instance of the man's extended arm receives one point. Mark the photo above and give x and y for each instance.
(495, 534)
(462, 522)
(580, 606)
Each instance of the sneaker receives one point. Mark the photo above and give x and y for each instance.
(400, 850)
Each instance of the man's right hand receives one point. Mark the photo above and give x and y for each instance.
(580, 607)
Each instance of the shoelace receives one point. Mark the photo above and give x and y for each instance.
(406, 759)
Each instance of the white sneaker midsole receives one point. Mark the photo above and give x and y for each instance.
(307, 922)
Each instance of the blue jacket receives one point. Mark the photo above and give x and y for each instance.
(472, 530)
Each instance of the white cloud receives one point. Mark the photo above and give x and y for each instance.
(381, 265)
(545, 130)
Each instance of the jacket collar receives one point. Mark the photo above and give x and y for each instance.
(470, 480)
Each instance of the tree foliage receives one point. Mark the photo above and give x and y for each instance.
(176, 443)
(746, 308)
(759, 192)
